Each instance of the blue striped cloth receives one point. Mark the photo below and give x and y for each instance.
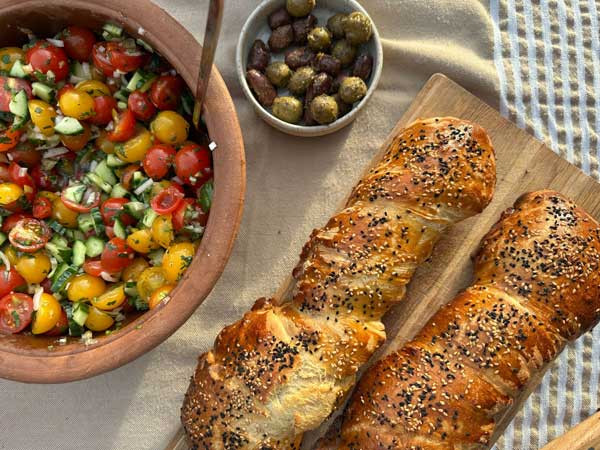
(547, 56)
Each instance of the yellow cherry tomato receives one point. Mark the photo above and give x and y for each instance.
(98, 320)
(34, 267)
(141, 241)
(42, 115)
(111, 299)
(77, 104)
(47, 315)
(103, 143)
(176, 259)
(94, 88)
(159, 295)
(149, 281)
(170, 128)
(8, 56)
(85, 287)
(133, 270)
(11, 254)
(162, 230)
(9, 192)
(159, 186)
(63, 215)
(135, 148)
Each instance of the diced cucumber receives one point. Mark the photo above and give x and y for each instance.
(149, 217)
(119, 229)
(61, 254)
(81, 312)
(74, 235)
(43, 91)
(79, 250)
(137, 179)
(2, 238)
(135, 209)
(121, 106)
(95, 179)
(122, 95)
(74, 193)
(105, 172)
(118, 191)
(85, 222)
(141, 81)
(55, 226)
(156, 256)
(115, 161)
(60, 241)
(18, 104)
(131, 288)
(63, 273)
(144, 44)
(94, 246)
(98, 222)
(17, 69)
(80, 71)
(75, 329)
(112, 29)
(69, 126)
(19, 122)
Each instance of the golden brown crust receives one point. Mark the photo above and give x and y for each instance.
(283, 368)
(537, 277)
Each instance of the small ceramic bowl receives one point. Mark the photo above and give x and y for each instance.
(257, 27)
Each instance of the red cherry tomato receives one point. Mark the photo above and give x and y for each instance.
(9, 138)
(9, 280)
(167, 200)
(111, 56)
(158, 159)
(19, 175)
(127, 175)
(10, 86)
(116, 255)
(29, 235)
(103, 107)
(16, 311)
(141, 106)
(79, 42)
(93, 267)
(124, 127)
(25, 156)
(42, 208)
(113, 209)
(61, 327)
(166, 92)
(9, 222)
(193, 164)
(47, 181)
(188, 212)
(45, 57)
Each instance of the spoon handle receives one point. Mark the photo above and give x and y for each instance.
(211, 37)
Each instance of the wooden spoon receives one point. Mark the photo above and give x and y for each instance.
(584, 436)
(211, 37)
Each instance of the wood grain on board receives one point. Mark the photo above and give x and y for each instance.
(524, 164)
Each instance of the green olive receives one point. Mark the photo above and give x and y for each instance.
(324, 109)
(278, 73)
(300, 80)
(352, 90)
(319, 39)
(300, 8)
(357, 28)
(335, 25)
(288, 109)
(344, 52)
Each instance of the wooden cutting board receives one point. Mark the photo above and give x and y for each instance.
(523, 164)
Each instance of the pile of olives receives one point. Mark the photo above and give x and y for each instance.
(325, 72)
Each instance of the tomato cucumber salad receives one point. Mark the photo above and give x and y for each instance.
(103, 196)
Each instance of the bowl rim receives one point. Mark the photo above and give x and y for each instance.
(304, 130)
(77, 361)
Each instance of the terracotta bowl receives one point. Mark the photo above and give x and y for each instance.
(28, 359)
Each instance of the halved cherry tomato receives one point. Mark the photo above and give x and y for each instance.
(90, 199)
(166, 92)
(187, 213)
(20, 175)
(127, 175)
(116, 255)
(25, 155)
(9, 222)
(93, 267)
(103, 107)
(79, 42)
(158, 159)
(61, 327)
(78, 141)
(45, 180)
(44, 58)
(29, 235)
(42, 208)
(193, 164)
(124, 127)
(111, 56)
(10, 86)
(16, 311)
(113, 209)
(9, 280)
(141, 106)
(9, 138)
(167, 200)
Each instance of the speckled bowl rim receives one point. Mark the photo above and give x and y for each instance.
(302, 130)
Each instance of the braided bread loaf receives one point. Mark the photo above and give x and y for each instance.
(537, 286)
(283, 368)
